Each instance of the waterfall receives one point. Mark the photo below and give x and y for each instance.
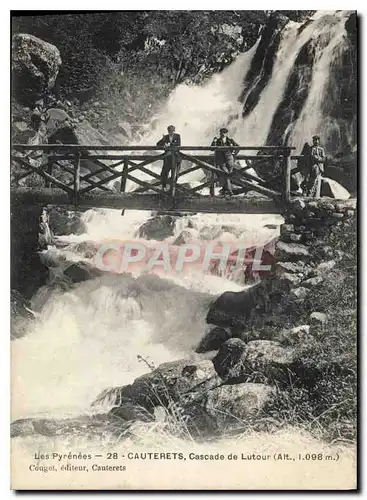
(329, 39)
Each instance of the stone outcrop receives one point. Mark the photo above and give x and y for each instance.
(256, 361)
(227, 409)
(35, 66)
(167, 384)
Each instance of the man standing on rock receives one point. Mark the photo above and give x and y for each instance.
(225, 160)
(168, 141)
(317, 162)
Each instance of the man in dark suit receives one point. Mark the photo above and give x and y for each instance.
(169, 140)
(225, 159)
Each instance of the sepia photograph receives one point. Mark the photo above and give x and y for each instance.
(183, 201)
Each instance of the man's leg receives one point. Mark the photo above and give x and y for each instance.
(229, 170)
(315, 174)
(318, 184)
(221, 178)
(165, 171)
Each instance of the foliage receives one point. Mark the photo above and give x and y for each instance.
(175, 44)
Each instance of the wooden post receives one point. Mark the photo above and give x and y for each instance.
(49, 171)
(287, 173)
(212, 182)
(173, 173)
(77, 178)
(125, 171)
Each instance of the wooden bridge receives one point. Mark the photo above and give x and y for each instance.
(96, 176)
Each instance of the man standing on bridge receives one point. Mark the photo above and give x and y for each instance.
(169, 140)
(317, 161)
(225, 160)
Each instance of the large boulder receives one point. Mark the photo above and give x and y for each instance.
(258, 360)
(236, 308)
(35, 66)
(227, 408)
(167, 384)
(158, 228)
(65, 222)
(333, 189)
(81, 271)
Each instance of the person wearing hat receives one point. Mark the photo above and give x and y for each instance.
(317, 161)
(225, 160)
(168, 140)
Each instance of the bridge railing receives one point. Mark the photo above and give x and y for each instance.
(79, 169)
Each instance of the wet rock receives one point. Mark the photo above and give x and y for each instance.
(158, 228)
(213, 340)
(291, 251)
(87, 249)
(66, 222)
(258, 359)
(81, 271)
(235, 308)
(227, 408)
(35, 66)
(168, 383)
(318, 318)
(184, 237)
(210, 232)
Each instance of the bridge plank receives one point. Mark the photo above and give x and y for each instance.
(118, 147)
(116, 200)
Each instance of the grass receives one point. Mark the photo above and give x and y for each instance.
(326, 402)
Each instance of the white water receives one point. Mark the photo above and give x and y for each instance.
(89, 337)
(329, 40)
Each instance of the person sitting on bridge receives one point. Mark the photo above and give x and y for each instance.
(225, 160)
(316, 162)
(169, 140)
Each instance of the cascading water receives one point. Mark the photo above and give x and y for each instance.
(329, 40)
(88, 338)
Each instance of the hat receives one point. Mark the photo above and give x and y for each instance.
(224, 130)
(315, 137)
